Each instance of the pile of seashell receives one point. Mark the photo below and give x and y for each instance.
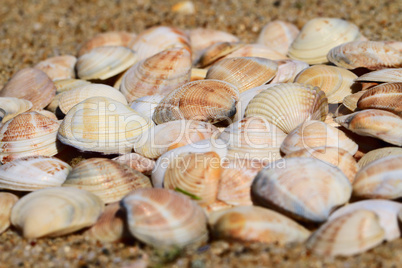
(293, 139)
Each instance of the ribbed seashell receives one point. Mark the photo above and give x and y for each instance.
(100, 124)
(137, 162)
(217, 51)
(63, 86)
(198, 74)
(105, 62)
(368, 54)
(374, 123)
(195, 173)
(59, 67)
(312, 134)
(55, 212)
(160, 74)
(157, 39)
(32, 173)
(146, 105)
(11, 107)
(289, 105)
(256, 50)
(245, 72)
(161, 138)
(351, 100)
(278, 35)
(380, 179)
(386, 210)
(107, 39)
(318, 36)
(385, 75)
(287, 70)
(386, 97)
(72, 97)
(162, 218)
(347, 235)
(106, 178)
(305, 188)
(7, 201)
(48, 114)
(378, 154)
(204, 100)
(334, 81)
(256, 224)
(333, 155)
(30, 84)
(28, 134)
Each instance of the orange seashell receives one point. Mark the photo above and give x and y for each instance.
(386, 97)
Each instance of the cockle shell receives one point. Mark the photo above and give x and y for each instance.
(137, 162)
(106, 178)
(32, 173)
(386, 96)
(379, 153)
(351, 100)
(334, 81)
(256, 224)
(28, 134)
(7, 201)
(105, 62)
(216, 52)
(278, 35)
(204, 100)
(48, 114)
(385, 75)
(347, 235)
(59, 67)
(146, 105)
(287, 70)
(100, 124)
(30, 84)
(256, 50)
(160, 74)
(305, 188)
(162, 217)
(11, 107)
(289, 105)
(55, 212)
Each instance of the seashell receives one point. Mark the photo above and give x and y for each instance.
(386, 97)
(351, 100)
(256, 224)
(11, 107)
(367, 54)
(55, 212)
(287, 70)
(304, 188)
(146, 105)
(106, 178)
(245, 73)
(378, 154)
(278, 35)
(216, 52)
(380, 179)
(216, 206)
(385, 75)
(347, 235)
(100, 124)
(198, 74)
(105, 62)
(256, 50)
(137, 162)
(48, 114)
(334, 81)
(374, 123)
(184, 7)
(59, 67)
(334, 156)
(318, 36)
(28, 134)
(159, 74)
(161, 138)
(32, 173)
(162, 218)
(204, 100)
(32, 85)
(72, 97)
(157, 39)
(341, 110)
(289, 105)
(313, 134)
(7, 201)
(107, 39)
(386, 210)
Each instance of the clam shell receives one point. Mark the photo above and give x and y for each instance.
(385, 97)
(146, 105)
(137, 162)
(59, 67)
(11, 107)
(162, 217)
(278, 35)
(217, 51)
(256, 50)
(48, 114)
(287, 70)
(289, 105)
(351, 100)
(63, 86)
(379, 153)
(7, 201)
(384, 75)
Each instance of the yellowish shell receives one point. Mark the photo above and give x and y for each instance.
(256, 50)
(393, 75)
(351, 100)
(59, 67)
(11, 107)
(7, 201)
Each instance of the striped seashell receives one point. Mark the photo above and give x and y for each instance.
(7, 201)
(59, 67)
(350, 101)
(11, 107)
(393, 75)
(378, 154)
(136, 162)
(278, 35)
(256, 50)
(386, 97)
(216, 52)
(287, 70)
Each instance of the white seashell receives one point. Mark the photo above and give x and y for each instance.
(11, 107)
(287, 70)
(378, 154)
(7, 201)
(146, 105)
(59, 67)
(278, 35)
(136, 162)
(393, 75)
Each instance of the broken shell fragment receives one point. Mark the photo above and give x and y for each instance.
(7, 201)
(59, 67)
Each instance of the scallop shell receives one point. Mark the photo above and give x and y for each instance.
(351, 100)
(216, 52)
(136, 162)
(146, 105)
(287, 70)
(386, 97)
(385, 75)
(7, 201)
(278, 35)
(59, 67)
(11, 107)
(378, 154)
(256, 50)
(289, 105)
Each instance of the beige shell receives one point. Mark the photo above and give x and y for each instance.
(30, 84)
(347, 235)
(341, 110)
(198, 74)
(385, 75)
(334, 81)
(137, 162)
(7, 201)
(48, 114)
(216, 52)
(159, 74)
(289, 105)
(287, 70)
(368, 54)
(105, 62)
(318, 36)
(11, 107)
(63, 86)
(378, 154)
(59, 67)
(304, 188)
(204, 100)
(146, 105)
(351, 100)
(245, 72)
(386, 97)
(100, 124)
(28, 134)
(278, 35)
(162, 218)
(256, 50)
